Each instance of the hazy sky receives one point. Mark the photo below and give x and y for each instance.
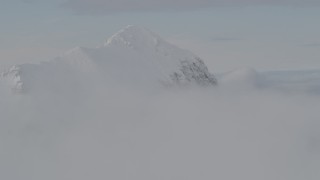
(227, 34)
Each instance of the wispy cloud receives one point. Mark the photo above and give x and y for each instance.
(112, 6)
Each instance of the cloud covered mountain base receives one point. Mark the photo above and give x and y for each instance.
(233, 131)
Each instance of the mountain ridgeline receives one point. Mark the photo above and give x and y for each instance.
(133, 56)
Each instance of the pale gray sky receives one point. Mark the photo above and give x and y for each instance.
(228, 34)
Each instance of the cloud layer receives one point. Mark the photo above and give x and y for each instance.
(111, 6)
(111, 133)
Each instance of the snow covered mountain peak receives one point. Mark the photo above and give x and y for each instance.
(133, 56)
(134, 37)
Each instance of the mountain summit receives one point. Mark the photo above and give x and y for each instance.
(132, 56)
(134, 36)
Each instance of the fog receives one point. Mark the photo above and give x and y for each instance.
(235, 130)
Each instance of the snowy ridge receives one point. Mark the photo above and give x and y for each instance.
(134, 55)
(14, 78)
(169, 63)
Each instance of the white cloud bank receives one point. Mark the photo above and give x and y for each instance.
(233, 131)
(111, 6)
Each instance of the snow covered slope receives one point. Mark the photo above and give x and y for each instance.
(134, 56)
